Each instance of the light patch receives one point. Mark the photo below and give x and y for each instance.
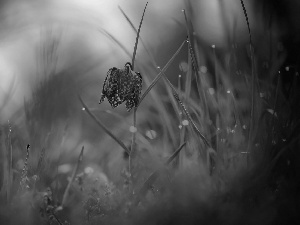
(184, 67)
(211, 91)
(65, 168)
(88, 170)
(272, 112)
(203, 69)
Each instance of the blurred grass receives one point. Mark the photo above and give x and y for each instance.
(220, 182)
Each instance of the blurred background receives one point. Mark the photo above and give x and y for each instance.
(52, 51)
(74, 28)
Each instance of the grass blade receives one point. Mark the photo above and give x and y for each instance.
(173, 156)
(191, 51)
(160, 74)
(136, 31)
(137, 38)
(103, 126)
(66, 193)
(252, 81)
(187, 113)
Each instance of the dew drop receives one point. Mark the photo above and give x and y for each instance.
(185, 122)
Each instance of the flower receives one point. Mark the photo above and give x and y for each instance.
(122, 85)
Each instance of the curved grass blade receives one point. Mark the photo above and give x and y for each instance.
(103, 126)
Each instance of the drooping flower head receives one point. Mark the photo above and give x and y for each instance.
(122, 85)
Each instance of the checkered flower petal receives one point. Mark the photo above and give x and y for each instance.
(122, 85)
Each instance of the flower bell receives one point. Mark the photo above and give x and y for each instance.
(122, 85)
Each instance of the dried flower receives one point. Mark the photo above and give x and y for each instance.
(122, 85)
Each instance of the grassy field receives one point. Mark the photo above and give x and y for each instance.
(216, 144)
